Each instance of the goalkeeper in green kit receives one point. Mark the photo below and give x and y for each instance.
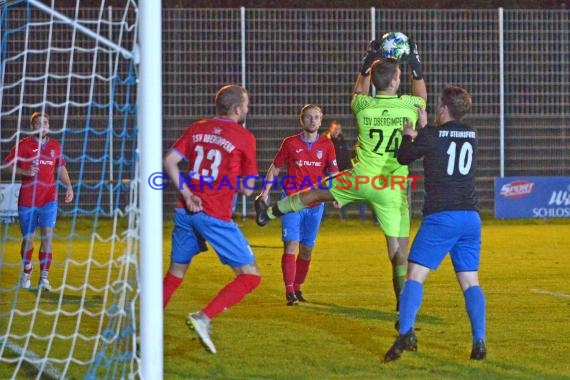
(376, 176)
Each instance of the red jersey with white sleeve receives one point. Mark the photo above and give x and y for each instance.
(40, 189)
(219, 152)
(308, 163)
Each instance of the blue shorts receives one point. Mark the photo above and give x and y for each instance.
(192, 230)
(33, 217)
(456, 232)
(302, 226)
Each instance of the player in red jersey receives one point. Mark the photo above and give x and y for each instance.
(221, 156)
(308, 159)
(38, 159)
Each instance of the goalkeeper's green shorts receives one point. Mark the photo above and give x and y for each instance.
(388, 197)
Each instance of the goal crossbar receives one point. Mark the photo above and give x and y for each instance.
(124, 52)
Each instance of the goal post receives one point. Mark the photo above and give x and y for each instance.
(97, 74)
(150, 123)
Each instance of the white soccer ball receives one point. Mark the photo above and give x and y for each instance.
(395, 45)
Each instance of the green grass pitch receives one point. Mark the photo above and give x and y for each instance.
(347, 326)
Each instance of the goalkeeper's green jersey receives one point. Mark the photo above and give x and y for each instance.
(380, 120)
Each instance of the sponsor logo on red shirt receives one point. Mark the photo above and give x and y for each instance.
(517, 189)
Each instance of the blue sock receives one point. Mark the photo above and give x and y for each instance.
(410, 302)
(476, 308)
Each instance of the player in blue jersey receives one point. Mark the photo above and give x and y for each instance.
(451, 221)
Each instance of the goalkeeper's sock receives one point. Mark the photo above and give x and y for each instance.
(231, 294)
(288, 267)
(302, 268)
(169, 286)
(27, 260)
(291, 203)
(273, 212)
(410, 302)
(45, 263)
(398, 279)
(476, 309)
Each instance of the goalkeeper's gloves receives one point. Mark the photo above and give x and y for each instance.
(414, 61)
(373, 52)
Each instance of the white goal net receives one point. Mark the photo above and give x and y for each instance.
(75, 64)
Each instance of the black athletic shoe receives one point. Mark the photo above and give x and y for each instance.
(291, 299)
(261, 217)
(479, 351)
(299, 295)
(397, 323)
(406, 342)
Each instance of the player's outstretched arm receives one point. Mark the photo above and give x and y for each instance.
(373, 52)
(247, 186)
(266, 186)
(414, 145)
(419, 88)
(362, 85)
(415, 62)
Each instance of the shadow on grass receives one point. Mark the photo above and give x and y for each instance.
(364, 313)
(266, 246)
(489, 369)
(67, 299)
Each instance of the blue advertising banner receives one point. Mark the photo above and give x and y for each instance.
(532, 197)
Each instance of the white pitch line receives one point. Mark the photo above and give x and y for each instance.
(555, 294)
(33, 359)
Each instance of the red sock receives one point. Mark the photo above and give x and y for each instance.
(301, 273)
(288, 268)
(231, 294)
(169, 286)
(27, 259)
(45, 261)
